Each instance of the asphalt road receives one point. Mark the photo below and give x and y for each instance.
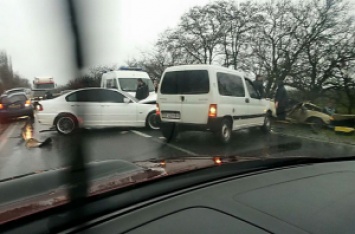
(17, 158)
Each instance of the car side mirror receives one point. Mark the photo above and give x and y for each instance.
(126, 100)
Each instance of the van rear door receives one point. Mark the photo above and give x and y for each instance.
(195, 89)
(170, 99)
(185, 96)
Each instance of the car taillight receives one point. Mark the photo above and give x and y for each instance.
(157, 110)
(28, 103)
(212, 111)
(39, 107)
(1, 106)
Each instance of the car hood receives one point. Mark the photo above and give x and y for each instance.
(150, 98)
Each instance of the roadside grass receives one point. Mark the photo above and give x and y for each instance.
(304, 131)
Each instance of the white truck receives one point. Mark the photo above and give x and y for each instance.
(125, 79)
(42, 86)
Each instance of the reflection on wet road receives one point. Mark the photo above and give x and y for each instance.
(21, 153)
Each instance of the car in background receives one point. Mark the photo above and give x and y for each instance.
(19, 89)
(308, 113)
(125, 79)
(14, 105)
(96, 108)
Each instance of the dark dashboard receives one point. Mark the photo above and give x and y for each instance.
(309, 198)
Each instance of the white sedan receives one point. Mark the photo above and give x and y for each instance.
(97, 108)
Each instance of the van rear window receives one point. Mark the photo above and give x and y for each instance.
(185, 82)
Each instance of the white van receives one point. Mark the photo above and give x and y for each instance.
(207, 97)
(126, 81)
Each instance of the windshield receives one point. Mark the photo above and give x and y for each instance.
(185, 82)
(44, 86)
(130, 84)
(211, 78)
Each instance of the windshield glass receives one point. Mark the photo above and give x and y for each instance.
(130, 84)
(185, 82)
(211, 79)
(44, 86)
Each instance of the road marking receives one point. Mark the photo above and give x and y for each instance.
(161, 140)
(6, 135)
(180, 149)
(140, 133)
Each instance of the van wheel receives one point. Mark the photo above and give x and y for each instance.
(169, 131)
(225, 132)
(153, 121)
(267, 124)
(66, 124)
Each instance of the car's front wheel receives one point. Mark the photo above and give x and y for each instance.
(66, 124)
(153, 121)
(316, 124)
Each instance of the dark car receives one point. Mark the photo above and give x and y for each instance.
(14, 105)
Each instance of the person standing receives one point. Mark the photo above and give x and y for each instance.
(281, 101)
(142, 91)
(259, 85)
(156, 85)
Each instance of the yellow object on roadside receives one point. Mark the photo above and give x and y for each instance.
(344, 129)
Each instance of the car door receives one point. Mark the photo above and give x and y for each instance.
(86, 105)
(256, 105)
(232, 101)
(116, 112)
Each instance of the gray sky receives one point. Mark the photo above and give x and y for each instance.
(36, 33)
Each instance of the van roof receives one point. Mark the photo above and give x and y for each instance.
(126, 74)
(201, 67)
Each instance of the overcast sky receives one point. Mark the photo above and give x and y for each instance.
(37, 34)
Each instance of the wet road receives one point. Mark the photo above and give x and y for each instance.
(141, 144)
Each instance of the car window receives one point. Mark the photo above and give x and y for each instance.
(112, 96)
(111, 83)
(94, 95)
(230, 85)
(251, 89)
(186, 82)
(13, 99)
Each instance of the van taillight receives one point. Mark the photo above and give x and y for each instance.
(157, 110)
(212, 111)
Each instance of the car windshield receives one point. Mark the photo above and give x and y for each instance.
(44, 86)
(20, 98)
(94, 90)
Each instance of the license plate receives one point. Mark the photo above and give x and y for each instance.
(15, 106)
(171, 115)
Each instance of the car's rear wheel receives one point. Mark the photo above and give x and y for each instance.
(153, 121)
(66, 124)
(225, 131)
(169, 131)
